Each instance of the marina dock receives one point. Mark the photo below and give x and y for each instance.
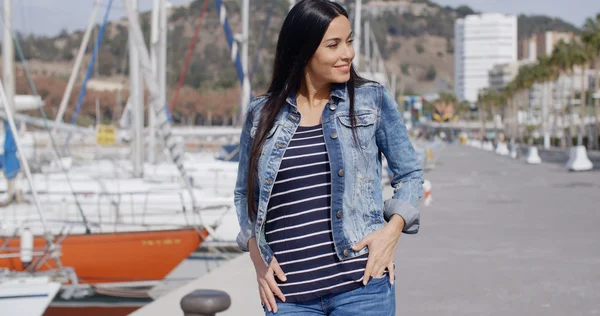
(500, 238)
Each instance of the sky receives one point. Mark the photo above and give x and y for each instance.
(49, 17)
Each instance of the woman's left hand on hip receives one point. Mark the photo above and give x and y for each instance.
(382, 245)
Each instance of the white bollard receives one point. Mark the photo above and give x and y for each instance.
(533, 158)
(514, 151)
(427, 191)
(578, 159)
(488, 146)
(502, 149)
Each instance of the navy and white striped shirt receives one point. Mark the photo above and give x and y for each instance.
(298, 227)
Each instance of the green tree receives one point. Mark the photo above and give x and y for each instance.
(591, 37)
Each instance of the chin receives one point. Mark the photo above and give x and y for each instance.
(340, 79)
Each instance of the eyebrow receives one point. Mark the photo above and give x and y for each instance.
(339, 39)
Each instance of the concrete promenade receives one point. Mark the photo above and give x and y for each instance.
(500, 238)
(503, 238)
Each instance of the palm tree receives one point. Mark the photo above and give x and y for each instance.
(482, 111)
(509, 95)
(591, 37)
(562, 59)
(546, 74)
(580, 57)
(524, 81)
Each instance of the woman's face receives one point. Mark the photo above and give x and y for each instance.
(332, 60)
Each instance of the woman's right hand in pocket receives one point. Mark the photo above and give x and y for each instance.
(265, 277)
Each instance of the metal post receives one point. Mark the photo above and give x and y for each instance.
(137, 102)
(8, 55)
(357, 33)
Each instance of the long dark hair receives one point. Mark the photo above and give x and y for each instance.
(299, 38)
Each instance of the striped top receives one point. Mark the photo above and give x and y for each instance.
(298, 227)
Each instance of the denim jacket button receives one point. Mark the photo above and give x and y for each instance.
(346, 252)
(340, 214)
(341, 173)
(334, 135)
(332, 107)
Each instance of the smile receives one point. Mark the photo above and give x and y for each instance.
(344, 68)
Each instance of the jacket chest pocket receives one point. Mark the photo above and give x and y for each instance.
(365, 128)
(268, 144)
(254, 130)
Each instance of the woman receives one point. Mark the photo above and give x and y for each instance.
(308, 193)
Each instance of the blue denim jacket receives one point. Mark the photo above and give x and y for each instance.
(357, 208)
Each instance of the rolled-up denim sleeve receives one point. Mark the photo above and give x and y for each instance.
(393, 141)
(240, 192)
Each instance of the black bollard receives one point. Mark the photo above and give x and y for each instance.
(205, 303)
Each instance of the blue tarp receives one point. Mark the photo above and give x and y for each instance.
(9, 161)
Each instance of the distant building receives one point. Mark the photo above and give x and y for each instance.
(502, 74)
(541, 44)
(481, 41)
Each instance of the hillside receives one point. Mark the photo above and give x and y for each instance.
(417, 44)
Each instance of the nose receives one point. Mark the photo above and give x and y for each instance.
(348, 52)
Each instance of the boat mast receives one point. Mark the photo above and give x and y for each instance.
(244, 39)
(136, 99)
(77, 66)
(368, 60)
(154, 52)
(357, 33)
(8, 56)
(158, 55)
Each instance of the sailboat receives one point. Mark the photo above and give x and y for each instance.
(123, 255)
(112, 257)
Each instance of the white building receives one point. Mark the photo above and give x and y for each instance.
(480, 42)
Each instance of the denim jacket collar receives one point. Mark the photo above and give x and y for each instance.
(338, 90)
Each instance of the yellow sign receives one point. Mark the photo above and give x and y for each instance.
(106, 134)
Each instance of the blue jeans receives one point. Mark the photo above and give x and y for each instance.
(377, 298)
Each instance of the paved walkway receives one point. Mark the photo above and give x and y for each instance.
(500, 238)
(503, 238)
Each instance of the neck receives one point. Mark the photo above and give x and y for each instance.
(314, 92)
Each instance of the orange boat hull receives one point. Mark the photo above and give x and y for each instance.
(118, 257)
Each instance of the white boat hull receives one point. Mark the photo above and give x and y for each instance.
(27, 296)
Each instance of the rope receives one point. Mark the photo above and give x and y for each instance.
(188, 56)
(90, 69)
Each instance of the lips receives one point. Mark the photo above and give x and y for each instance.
(344, 68)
